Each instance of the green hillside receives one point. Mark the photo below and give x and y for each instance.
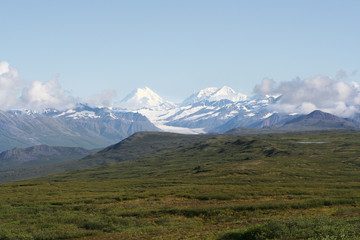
(138, 145)
(277, 186)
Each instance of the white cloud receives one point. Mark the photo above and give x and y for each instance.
(103, 99)
(46, 94)
(265, 87)
(320, 92)
(306, 107)
(10, 85)
(4, 67)
(36, 95)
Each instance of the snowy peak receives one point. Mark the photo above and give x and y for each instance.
(204, 93)
(215, 94)
(144, 96)
(227, 93)
(141, 98)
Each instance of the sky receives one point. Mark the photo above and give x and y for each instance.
(58, 51)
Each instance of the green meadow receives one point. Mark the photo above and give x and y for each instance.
(275, 186)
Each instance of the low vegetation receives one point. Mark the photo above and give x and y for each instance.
(222, 187)
(136, 146)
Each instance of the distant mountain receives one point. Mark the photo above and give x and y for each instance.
(318, 120)
(221, 116)
(274, 120)
(142, 98)
(210, 110)
(40, 154)
(213, 110)
(79, 127)
(214, 94)
(314, 121)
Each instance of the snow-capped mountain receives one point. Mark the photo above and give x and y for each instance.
(214, 94)
(214, 110)
(202, 112)
(211, 115)
(82, 126)
(143, 98)
(209, 110)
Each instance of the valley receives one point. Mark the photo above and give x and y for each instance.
(243, 171)
(170, 186)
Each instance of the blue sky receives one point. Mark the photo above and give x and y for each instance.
(178, 47)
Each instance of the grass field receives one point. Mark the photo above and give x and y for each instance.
(223, 187)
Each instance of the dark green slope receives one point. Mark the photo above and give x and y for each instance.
(220, 156)
(138, 145)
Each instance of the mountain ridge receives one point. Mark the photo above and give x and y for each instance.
(86, 128)
(40, 154)
(96, 127)
(321, 120)
(140, 144)
(314, 121)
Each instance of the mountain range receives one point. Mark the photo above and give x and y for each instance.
(211, 110)
(207, 110)
(218, 110)
(314, 121)
(79, 127)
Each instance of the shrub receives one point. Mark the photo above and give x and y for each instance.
(300, 228)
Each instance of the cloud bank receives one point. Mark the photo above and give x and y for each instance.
(10, 86)
(103, 99)
(39, 95)
(18, 94)
(332, 95)
(36, 95)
